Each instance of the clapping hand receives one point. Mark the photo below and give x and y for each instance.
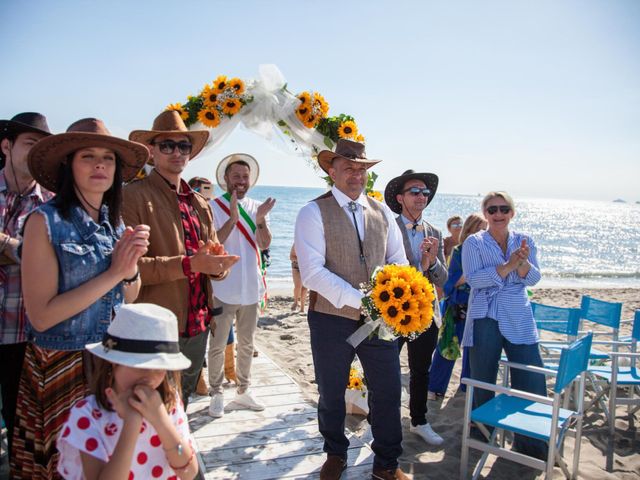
(132, 245)
(429, 249)
(264, 208)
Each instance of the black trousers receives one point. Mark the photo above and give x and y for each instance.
(11, 358)
(420, 352)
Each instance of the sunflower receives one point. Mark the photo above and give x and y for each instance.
(383, 276)
(237, 85)
(310, 121)
(209, 117)
(320, 103)
(220, 83)
(210, 96)
(305, 98)
(410, 324)
(360, 138)
(184, 114)
(392, 314)
(399, 289)
(231, 106)
(375, 194)
(355, 384)
(347, 129)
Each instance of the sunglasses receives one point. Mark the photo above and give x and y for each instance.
(415, 191)
(456, 225)
(493, 209)
(168, 147)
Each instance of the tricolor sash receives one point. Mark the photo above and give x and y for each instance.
(245, 224)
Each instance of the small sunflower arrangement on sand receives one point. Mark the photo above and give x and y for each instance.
(221, 99)
(398, 302)
(356, 380)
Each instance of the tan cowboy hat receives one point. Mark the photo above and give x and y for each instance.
(254, 168)
(46, 156)
(348, 150)
(170, 122)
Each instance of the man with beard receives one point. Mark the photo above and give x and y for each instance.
(242, 225)
(19, 195)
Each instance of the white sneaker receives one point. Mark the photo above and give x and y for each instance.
(247, 401)
(428, 435)
(216, 406)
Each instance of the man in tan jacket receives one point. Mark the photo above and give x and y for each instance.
(184, 252)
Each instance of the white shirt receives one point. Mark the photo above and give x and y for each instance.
(311, 246)
(243, 285)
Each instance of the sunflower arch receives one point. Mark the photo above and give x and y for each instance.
(265, 103)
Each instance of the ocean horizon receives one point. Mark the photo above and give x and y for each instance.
(581, 243)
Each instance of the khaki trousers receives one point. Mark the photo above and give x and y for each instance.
(246, 318)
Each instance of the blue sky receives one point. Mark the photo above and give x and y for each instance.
(539, 98)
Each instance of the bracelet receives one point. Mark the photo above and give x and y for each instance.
(177, 447)
(186, 465)
(134, 279)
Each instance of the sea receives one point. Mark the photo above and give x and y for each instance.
(581, 244)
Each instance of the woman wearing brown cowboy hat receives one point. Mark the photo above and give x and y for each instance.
(79, 264)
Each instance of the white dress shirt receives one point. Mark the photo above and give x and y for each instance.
(243, 285)
(310, 247)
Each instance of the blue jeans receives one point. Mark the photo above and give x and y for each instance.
(484, 356)
(441, 368)
(332, 357)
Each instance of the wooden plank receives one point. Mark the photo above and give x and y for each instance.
(295, 466)
(264, 436)
(212, 428)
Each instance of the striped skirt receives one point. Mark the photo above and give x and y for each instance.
(52, 381)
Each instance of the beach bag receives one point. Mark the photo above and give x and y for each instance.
(448, 342)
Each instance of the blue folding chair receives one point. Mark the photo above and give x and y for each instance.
(560, 320)
(624, 377)
(529, 414)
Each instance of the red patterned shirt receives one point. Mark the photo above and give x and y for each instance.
(14, 209)
(199, 314)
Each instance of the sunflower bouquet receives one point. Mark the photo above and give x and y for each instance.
(398, 302)
(355, 396)
(221, 99)
(356, 380)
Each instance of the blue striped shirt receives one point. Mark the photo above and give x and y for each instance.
(504, 300)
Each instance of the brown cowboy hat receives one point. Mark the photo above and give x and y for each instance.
(167, 123)
(24, 122)
(348, 150)
(395, 186)
(46, 156)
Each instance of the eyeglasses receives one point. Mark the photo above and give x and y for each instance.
(415, 191)
(493, 209)
(168, 147)
(456, 225)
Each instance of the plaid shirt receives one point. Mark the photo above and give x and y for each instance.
(199, 315)
(13, 212)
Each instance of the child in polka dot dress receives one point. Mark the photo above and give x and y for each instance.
(134, 425)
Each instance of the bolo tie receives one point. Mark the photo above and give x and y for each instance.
(353, 207)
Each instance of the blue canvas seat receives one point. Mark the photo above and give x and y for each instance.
(529, 414)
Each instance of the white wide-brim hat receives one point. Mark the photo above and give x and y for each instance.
(254, 168)
(142, 335)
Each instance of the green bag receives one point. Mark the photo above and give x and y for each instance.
(447, 339)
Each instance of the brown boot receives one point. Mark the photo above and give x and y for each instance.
(381, 474)
(230, 364)
(201, 388)
(333, 468)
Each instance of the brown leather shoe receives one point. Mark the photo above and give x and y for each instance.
(381, 474)
(333, 468)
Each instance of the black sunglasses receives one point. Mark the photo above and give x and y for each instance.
(493, 209)
(168, 146)
(415, 191)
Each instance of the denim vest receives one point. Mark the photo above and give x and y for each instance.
(83, 249)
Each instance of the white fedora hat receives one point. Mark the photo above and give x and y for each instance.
(142, 335)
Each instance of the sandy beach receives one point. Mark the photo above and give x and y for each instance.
(284, 336)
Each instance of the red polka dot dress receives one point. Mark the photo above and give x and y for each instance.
(95, 431)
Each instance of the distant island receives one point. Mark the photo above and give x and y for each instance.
(619, 200)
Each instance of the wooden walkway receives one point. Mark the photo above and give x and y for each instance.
(281, 442)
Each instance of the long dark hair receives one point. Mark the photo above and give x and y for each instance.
(67, 197)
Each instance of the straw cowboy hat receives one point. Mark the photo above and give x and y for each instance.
(167, 123)
(46, 156)
(348, 150)
(254, 168)
(142, 335)
(395, 186)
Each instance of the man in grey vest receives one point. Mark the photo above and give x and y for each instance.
(340, 238)
(408, 195)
